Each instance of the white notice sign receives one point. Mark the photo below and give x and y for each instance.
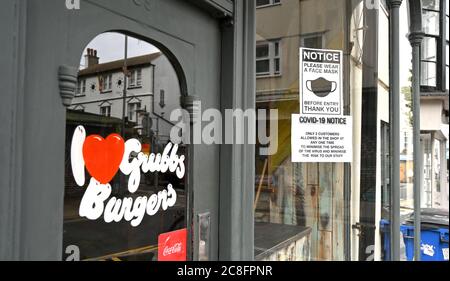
(318, 138)
(320, 81)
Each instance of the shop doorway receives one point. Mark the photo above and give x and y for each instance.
(125, 87)
(131, 95)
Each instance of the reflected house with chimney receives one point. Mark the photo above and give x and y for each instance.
(151, 82)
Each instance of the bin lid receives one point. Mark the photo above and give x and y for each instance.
(431, 217)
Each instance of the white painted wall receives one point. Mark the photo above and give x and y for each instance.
(166, 79)
(430, 114)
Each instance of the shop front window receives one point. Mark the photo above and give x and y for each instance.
(302, 208)
(123, 201)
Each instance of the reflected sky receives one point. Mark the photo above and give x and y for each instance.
(110, 46)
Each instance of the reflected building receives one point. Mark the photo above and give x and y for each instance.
(341, 203)
(100, 90)
(130, 97)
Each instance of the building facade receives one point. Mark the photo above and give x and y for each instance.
(90, 168)
(100, 90)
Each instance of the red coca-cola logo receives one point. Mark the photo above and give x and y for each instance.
(172, 246)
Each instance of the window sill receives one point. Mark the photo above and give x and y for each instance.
(80, 95)
(268, 5)
(134, 87)
(268, 76)
(106, 92)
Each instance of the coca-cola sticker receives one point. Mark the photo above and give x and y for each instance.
(172, 246)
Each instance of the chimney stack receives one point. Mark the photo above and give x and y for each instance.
(91, 59)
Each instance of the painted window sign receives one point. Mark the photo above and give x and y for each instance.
(172, 245)
(103, 159)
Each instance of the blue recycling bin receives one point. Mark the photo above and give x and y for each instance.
(433, 243)
(434, 236)
(386, 238)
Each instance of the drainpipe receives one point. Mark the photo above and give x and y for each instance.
(153, 100)
(125, 75)
(415, 38)
(394, 120)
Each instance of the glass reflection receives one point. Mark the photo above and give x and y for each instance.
(120, 82)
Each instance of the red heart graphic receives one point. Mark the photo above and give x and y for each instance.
(103, 156)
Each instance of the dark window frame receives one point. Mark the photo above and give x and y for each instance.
(271, 4)
(105, 110)
(441, 44)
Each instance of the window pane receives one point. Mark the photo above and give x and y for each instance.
(430, 4)
(447, 78)
(100, 122)
(132, 78)
(262, 67)
(437, 167)
(130, 111)
(314, 42)
(139, 77)
(446, 55)
(429, 49)
(427, 175)
(446, 30)
(262, 2)
(431, 22)
(262, 51)
(277, 66)
(428, 74)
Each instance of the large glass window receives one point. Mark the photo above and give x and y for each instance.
(119, 198)
(301, 212)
